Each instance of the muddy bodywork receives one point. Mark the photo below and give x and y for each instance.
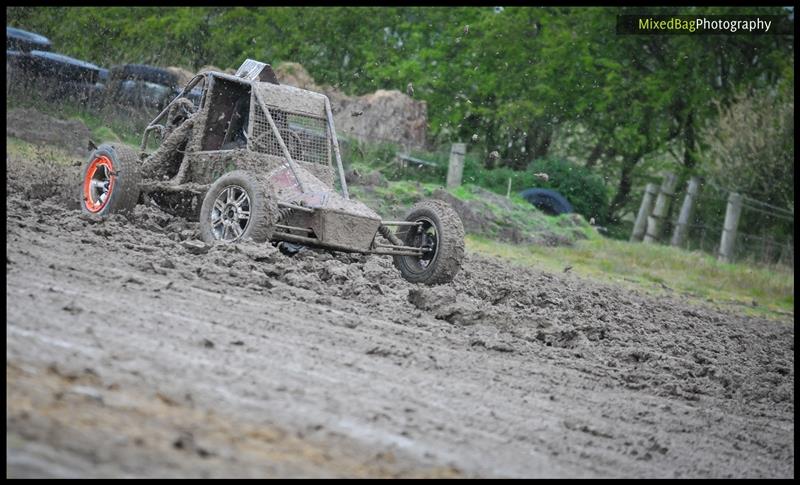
(282, 133)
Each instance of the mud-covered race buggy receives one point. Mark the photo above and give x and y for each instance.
(253, 159)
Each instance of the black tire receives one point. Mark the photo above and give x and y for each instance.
(142, 72)
(548, 201)
(261, 201)
(125, 174)
(443, 265)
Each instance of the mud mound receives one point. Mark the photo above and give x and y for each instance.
(35, 127)
(380, 116)
(42, 178)
(387, 116)
(233, 348)
(295, 74)
(215, 68)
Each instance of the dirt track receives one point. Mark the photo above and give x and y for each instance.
(127, 355)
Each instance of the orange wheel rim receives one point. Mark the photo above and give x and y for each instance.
(98, 184)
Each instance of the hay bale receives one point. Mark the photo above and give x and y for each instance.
(183, 75)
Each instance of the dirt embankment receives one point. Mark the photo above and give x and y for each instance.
(133, 353)
(35, 127)
(382, 116)
(385, 115)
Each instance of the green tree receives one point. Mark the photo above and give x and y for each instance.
(514, 80)
(749, 148)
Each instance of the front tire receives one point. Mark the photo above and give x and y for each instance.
(441, 231)
(238, 206)
(110, 180)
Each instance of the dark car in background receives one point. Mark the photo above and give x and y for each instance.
(24, 41)
(142, 85)
(30, 64)
(56, 75)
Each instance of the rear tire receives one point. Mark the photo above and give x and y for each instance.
(442, 230)
(110, 180)
(548, 201)
(238, 206)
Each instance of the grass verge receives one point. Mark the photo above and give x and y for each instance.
(656, 269)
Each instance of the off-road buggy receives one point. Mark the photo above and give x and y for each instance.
(253, 159)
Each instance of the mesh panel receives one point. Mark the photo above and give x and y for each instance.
(305, 136)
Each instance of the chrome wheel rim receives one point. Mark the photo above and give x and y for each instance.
(98, 184)
(230, 214)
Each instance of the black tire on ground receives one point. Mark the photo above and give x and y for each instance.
(548, 201)
(445, 233)
(219, 217)
(143, 72)
(123, 177)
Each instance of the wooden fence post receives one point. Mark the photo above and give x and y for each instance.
(682, 228)
(655, 222)
(455, 168)
(644, 210)
(732, 213)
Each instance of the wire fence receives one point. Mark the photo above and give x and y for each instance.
(764, 235)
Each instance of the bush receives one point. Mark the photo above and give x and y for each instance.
(382, 156)
(584, 189)
(359, 154)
